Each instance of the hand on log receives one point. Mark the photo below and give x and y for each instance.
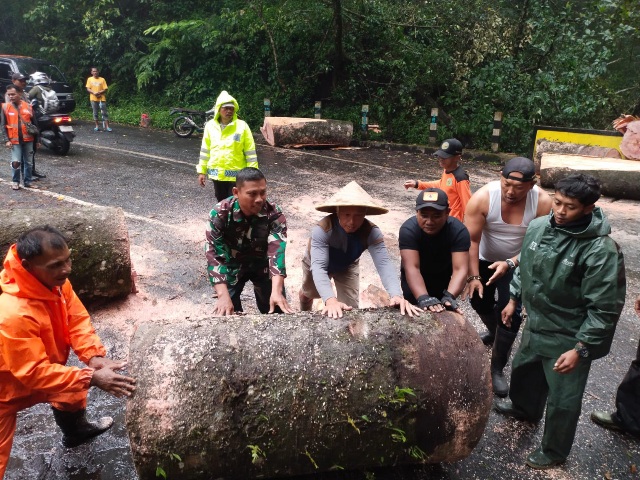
(113, 383)
(224, 305)
(405, 306)
(333, 308)
(277, 298)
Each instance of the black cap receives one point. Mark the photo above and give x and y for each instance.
(18, 76)
(522, 165)
(432, 198)
(450, 148)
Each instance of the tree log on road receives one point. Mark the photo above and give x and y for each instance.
(619, 178)
(303, 132)
(545, 146)
(280, 395)
(99, 243)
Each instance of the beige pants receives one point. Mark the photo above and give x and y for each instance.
(347, 283)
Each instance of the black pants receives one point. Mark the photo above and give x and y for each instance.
(489, 304)
(222, 189)
(261, 288)
(628, 398)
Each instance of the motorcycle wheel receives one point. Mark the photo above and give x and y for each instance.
(182, 127)
(61, 145)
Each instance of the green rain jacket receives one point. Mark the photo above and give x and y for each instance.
(573, 286)
(224, 152)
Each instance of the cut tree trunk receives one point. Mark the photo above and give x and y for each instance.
(545, 146)
(619, 178)
(99, 243)
(264, 396)
(304, 132)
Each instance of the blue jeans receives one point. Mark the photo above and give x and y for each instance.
(21, 155)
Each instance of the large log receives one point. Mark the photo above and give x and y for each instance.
(545, 146)
(619, 178)
(302, 132)
(98, 240)
(282, 395)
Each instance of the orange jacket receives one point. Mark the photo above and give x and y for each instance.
(38, 327)
(456, 185)
(11, 117)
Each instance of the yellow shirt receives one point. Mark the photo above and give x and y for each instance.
(96, 85)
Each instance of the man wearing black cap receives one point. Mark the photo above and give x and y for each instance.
(497, 217)
(454, 181)
(434, 252)
(20, 82)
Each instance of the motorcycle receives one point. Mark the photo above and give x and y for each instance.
(190, 121)
(56, 132)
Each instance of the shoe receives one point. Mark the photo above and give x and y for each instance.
(76, 429)
(15, 186)
(37, 175)
(31, 186)
(505, 407)
(539, 461)
(487, 338)
(96, 129)
(605, 419)
(109, 129)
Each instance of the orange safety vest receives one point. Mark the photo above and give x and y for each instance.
(11, 116)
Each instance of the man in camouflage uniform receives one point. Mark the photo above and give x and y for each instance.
(246, 241)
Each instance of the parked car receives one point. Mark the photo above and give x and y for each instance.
(10, 64)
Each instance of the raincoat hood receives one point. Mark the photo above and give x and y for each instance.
(17, 281)
(223, 98)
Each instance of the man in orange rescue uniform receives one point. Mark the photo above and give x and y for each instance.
(41, 319)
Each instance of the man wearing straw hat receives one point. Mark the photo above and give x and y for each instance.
(336, 244)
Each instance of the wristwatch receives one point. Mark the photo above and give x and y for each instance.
(582, 350)
(511, 263)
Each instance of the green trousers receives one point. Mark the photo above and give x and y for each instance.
(534, 384)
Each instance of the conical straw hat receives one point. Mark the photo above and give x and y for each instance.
(352, 195)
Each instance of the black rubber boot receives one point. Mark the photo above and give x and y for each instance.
(76, 429)
(491, 323)
(499, 358)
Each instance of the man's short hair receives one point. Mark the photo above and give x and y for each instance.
(11, 86)
(249, 174)
(582, 187)
(29, 244)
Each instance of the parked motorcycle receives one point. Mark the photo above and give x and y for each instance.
(190, 121)
(56, 132)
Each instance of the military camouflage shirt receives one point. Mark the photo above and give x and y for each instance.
(236, 243)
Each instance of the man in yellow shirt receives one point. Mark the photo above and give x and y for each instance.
(96, 86)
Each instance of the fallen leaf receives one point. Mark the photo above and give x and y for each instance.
(608, 476)
(633, 468)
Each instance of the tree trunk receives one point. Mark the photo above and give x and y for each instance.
(280, 395)
(302, 132)
(545, 146)
(97, 237)
(619, 178)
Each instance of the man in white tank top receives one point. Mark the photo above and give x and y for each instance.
(497, 217)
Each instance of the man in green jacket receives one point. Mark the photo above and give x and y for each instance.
(571, 280)
(227, 147)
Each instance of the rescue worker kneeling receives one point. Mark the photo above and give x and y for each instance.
(41, 319)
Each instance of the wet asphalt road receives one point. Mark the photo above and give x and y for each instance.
(151, 175)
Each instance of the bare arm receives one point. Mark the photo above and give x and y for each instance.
(458, 281)
(411, 263)
(544, 203)
(475, 218)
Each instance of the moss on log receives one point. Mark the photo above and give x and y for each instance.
(275, 396)
(97, 237)
(302, 132)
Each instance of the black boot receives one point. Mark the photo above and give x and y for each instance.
(491, 323)
(76, 429)
(499, 358)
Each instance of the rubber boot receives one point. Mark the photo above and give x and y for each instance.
(76, 429)
(499, 358)
(305, 303)
(491, 323)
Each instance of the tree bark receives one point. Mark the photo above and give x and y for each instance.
(282, 395)
(545, 146)
(619, 178)
(99, 243)
(301, 132)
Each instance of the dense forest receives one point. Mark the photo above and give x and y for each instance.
(571, 63)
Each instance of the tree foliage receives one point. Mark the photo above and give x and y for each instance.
(565, 63)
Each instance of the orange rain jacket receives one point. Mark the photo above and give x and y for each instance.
(38, 327)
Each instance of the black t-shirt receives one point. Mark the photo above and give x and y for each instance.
(435, 253)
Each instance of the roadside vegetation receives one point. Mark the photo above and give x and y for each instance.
(569, 63)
